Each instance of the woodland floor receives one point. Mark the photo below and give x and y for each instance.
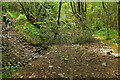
(88, 60)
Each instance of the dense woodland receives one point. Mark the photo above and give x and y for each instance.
(57, 21)
(44, 24)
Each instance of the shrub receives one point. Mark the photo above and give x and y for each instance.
(75, 34)
(21, 17)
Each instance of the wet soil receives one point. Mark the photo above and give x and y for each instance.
(88, 60)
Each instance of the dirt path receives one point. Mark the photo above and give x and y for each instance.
(72, 61)
(66, 61)
(16, 49)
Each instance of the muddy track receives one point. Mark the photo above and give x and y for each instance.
(61, 61)
(15, 47)
(72, 61)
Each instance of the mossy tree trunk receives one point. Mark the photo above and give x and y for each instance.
(106, 19)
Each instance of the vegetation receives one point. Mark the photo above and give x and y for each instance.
(47, 23)
(7, 70)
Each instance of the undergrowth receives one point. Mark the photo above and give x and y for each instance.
(32, 34)
(72, 33)
(9, 68)
(112, 39)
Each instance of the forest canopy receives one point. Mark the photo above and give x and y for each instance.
(62, 22)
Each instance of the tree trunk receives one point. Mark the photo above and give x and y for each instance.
(31, 19)
(58, 21)
(82, 6)
(78, 7)
(106, 19)
(59, 13)
(85, 7)
(27, 15)
(72, 7)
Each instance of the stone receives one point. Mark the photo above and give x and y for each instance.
(45, 57)
(50, 66)
(26, 61)
(23, 63)
(95, 69)
(30, 59)
(92, 73)
(19, 63)
(36, 57)
(87, 64)
(61, 75)
(65, 59)
(108, 73)
(48, 53)
(55, 51)
(117, 74)
(30, 64)
(53, 72)
(17, 74)
(21, 76)
(34, 50)
(87, 60)
(104, 64)
(26, 53)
